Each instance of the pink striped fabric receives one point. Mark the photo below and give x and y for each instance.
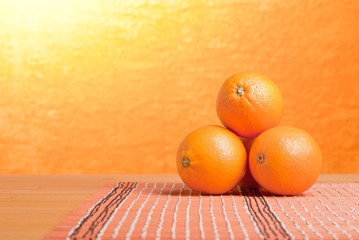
(130, 210)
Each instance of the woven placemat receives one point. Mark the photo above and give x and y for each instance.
(130, 210)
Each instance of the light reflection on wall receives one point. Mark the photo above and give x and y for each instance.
(113, 86)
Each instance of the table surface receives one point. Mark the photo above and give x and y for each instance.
(32, 205)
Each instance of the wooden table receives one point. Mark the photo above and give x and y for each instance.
(32, 205)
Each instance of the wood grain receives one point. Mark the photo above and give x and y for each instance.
(32, 205)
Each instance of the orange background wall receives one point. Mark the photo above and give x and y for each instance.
(112, 87)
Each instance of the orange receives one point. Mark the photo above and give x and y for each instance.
(211, 160)
(285, 160)
(249, 103)
(248, 181)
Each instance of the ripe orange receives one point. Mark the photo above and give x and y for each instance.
(211, 160)
(249, 103)
(248, 181)
(285, 160)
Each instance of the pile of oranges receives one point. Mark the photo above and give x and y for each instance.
(250, 150)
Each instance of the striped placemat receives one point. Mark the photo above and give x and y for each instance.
(130, 210)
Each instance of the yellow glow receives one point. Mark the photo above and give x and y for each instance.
(35, 31)
(33, 15)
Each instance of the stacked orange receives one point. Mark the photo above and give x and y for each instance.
(250, 150)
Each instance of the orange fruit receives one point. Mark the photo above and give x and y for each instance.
(211, 160)
(248, 180)
(249, 103)
(285, 160)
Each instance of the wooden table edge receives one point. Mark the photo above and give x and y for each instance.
(43, 201)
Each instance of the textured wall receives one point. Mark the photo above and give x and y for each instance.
(114, 86)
